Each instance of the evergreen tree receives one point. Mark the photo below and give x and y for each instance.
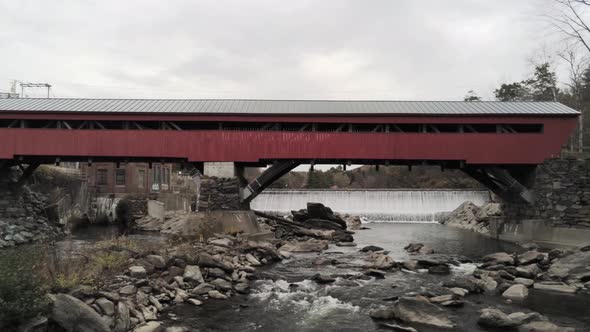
(541, 87)
(512, 92)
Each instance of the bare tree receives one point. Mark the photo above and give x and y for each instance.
(577, 65)
(570, 20)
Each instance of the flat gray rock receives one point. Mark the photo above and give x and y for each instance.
(74, 315)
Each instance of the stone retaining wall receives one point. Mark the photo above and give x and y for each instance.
(21, 202)
(23, 217)
(219, 194)
(562, 189)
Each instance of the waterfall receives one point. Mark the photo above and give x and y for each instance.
(374, 205)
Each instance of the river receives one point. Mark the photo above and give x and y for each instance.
(284, 299)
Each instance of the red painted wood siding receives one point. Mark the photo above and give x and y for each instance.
(251, 146)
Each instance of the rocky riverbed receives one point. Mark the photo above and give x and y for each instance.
(318, 275)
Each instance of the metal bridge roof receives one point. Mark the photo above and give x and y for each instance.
(245, 106)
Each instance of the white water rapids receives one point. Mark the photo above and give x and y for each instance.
(374, 205)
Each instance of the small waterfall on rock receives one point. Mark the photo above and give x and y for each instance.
(374, 205)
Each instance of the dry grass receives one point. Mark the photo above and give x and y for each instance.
(93, 266)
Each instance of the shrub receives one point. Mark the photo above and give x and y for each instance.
(22, 292)
(122, 211)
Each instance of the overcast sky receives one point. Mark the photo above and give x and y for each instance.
(328, 49)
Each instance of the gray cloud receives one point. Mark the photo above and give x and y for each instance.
(334, 49)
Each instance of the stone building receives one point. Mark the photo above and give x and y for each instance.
(129, 177)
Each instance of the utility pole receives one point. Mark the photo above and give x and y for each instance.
(13, 87)
(34, 85)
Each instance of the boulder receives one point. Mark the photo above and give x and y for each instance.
(242, 287)
(216, 295)
(383, 262)
(322, 224)
(36, 324)
(149, 312)
(252, 260)
(148, 327)
(453, 303)
(555, 287)
(206, 260)
(530, 246)
(370, 248)
(155, 302)
(194, 302)
(127, 290)
(222, 242)
(443, 298)
(122, 320)
(157, 261)
(323, 279)
(109, 295)
(74, 315)
(137, 271)
(529, 257)
(522, 318)
(516, 292)
(426, 250)
(419, 248)
(216, 273)
(378, 274)
(319, 211)
(193, 273)
(439, 269)
(300, 215)
(106, 306)
(382, 313)
(499, 258)
(147, 265)
(202, 289)
(459, 291)
(469, 283)
(570, 265)
(413, 310)
(496, 319)
(541, 326)
(398, 328)
(305, 246)
(524, 281)
(410, 265)
(489, 284)
(221, 284)
(528, 271)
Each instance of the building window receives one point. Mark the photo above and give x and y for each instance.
(120, 177)
(101, 177)
(141, 179)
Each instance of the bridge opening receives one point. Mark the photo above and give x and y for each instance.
(466, 128)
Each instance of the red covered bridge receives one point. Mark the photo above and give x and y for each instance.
(498, 143)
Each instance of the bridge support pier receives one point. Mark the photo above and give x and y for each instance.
(267, 177)
(512, 183)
